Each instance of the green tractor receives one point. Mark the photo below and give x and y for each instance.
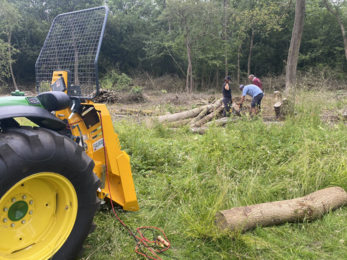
(55, 173)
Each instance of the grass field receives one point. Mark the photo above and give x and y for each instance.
(183, 179)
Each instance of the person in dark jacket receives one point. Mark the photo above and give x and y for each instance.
(227, 100)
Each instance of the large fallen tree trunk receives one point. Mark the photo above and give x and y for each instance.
(201, 115)
(223, 121)
(309, 207)
(178, 123)
(199, 130)
(209, 117)
(187, 114)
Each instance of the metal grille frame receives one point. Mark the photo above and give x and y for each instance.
(73, 44)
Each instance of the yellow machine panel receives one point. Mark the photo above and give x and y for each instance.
(118, 162)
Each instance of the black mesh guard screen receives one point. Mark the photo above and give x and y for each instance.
(73, 44)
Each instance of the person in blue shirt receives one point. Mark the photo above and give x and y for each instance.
(256, 93)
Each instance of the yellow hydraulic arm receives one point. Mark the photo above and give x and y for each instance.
(93, 135)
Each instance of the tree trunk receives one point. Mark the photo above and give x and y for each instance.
(336, 14)
(209, 117)
(201, 115)
(178, 123)
(188, 68)
(76, 79)
(226, 36)
(217, 77)
(10, 60)
(250, 52)
(295, 42)
(188, 114)
(189, 82)
(191, 78)
(238, 63)
(309, 207)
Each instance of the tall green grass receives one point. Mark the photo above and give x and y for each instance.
(183, 179)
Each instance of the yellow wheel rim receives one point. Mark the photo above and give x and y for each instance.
(36, 217)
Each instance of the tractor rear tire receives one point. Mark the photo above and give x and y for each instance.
(47, 195)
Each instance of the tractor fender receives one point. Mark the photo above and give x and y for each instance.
(37, 115)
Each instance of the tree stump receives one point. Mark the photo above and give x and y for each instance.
(309, 207)
(277, 107)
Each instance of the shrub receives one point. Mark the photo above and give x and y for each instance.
(113, 80)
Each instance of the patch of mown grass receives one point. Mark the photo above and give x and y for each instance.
(183, 179)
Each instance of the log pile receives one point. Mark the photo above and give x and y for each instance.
(190, 113)
(204, 101)
(106, 96)
(200, 118)
(310, 207)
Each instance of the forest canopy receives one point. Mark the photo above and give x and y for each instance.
(199, 41)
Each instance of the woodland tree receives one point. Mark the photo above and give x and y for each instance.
(295, 42)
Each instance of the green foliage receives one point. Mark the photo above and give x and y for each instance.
(136, 90)
(183, 179)
(4, 68)
(113, 80)
(152, 36)
(10, 20)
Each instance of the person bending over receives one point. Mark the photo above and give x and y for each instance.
(256, 93)
(227, 96)
(256, 81)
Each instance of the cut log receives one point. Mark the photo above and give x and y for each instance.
(178, 123)
(209, 117)
(204, 101)
(187, 114)
(199, 130)
(309, 207)
(223, 121)
(201, 115)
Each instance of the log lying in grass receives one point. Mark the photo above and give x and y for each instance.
(187, 114)
(199, 130)
(178, 123)
(201, 115)
(223, 121)
(309, 207)
(209, 117)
